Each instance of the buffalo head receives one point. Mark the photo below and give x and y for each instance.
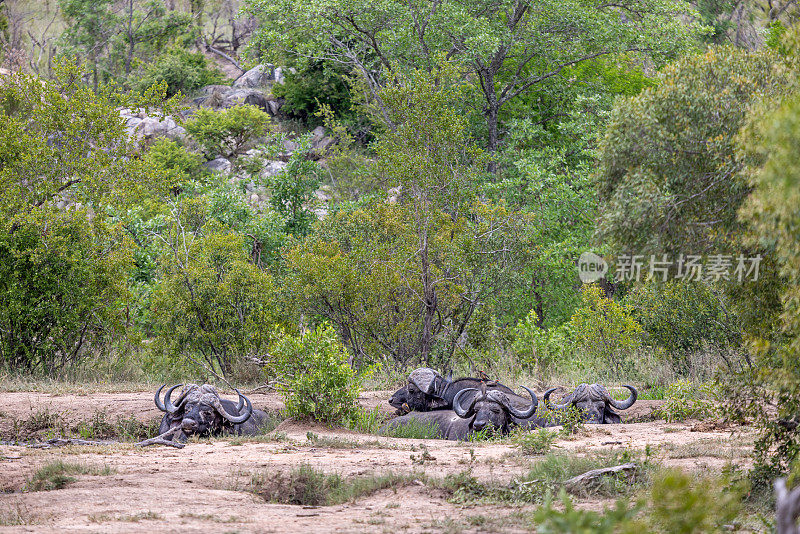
(492, 409)
(594, 401)
(200, 411)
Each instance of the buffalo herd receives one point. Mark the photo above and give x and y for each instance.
(454, 409)
(447, 408)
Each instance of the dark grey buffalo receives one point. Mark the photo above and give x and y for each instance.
(594, 401)
(473, 411)
(427, 391)
(199, 411)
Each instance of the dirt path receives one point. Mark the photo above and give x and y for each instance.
(201, 488)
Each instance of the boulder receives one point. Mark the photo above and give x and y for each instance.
(219, 165)
(259, 76)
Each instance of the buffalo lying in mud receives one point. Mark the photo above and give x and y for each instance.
(199, 411)
(427, 391)
(473, 411)
(594, 401)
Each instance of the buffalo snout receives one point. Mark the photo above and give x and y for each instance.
(189, 425)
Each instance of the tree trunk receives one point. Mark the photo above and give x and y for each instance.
(429, 300)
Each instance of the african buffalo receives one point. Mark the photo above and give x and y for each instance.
(427, 391)
(594, 401)
(473, 411)
(200, 411)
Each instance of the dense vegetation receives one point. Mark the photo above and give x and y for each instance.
(474, 151)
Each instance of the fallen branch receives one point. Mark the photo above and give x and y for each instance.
(161, 440)
(60, 442)
(590, 477)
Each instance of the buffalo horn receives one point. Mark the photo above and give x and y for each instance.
(159, 404)
(526, 413)
(460, 410)
(235, 419)
(546, 399)
(627, 403)
(168, 406)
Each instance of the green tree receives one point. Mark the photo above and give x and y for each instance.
(90, 26)
(229, 132)
(211, 302)
(508, 48)
(403, 277)
(606, 331)
(293, 187)
(680, 317)
(64, 162)
(668, 174)
(773, 224)
(60, 290)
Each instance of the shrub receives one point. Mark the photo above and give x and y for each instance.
(182, 70)
(682, 504)
(178, 163)
(317, 380)
(59, 286)
(315, 84)
(537, 442)
(540, 348)
(680, 318)
(307, 486)
(212, 301)
(228, 132)
(685, 400)
(606, 331)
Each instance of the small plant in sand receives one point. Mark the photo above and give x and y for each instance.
(535, 443)
(56, 475)
(685, 400)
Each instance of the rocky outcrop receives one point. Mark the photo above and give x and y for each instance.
(140, 125)
(224, 97)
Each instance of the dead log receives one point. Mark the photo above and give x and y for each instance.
(590, 478)
(161, 440)
(787, 508)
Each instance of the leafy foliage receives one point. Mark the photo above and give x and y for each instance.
(313, 85)
(770, 142)
(181, 70)
(680, 317)
(668, 167)
(211, 300)
(59, 290)
(315, 376)
(229, 132)
(606, 331)
(293, 186)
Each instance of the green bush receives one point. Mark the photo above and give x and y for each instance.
(212, 302)
(537, 442)
(541, 349)
(683, 504)
(229, 132)
(606, 331)
(316, 379)
(310, 86)
(679, 318)
(182, 70)
(59, 291)
(178, 163)
(685, 400)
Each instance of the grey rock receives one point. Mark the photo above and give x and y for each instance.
(259, 76)
(220, 165)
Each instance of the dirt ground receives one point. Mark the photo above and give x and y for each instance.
(201, 488)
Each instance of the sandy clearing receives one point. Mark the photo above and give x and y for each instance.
(199, 488)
